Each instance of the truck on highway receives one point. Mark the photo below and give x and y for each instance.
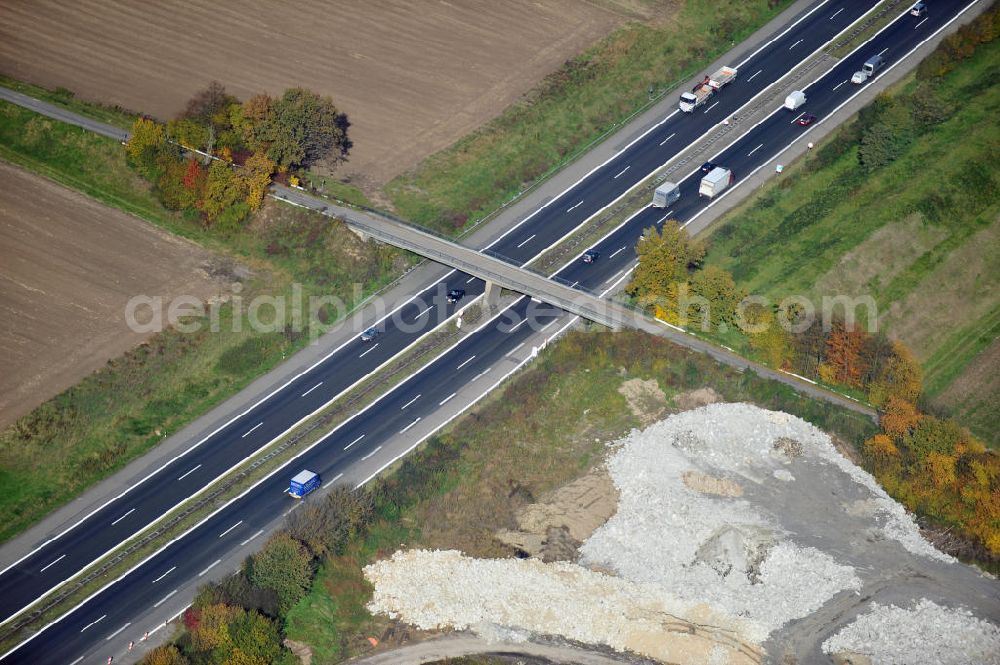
(716, 182)
(303, 483)
(710, 85)
(666, 194)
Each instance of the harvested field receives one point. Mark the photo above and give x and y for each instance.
(68, 265)
(413, 77)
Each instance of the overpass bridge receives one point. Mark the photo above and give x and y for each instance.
(498, 273)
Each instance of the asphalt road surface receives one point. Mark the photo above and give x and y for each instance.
(49, 565)
(95, 629)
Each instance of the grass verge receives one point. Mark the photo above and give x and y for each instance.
(548, 425)
(909, 234)
(570, 110)
(188, 514)
(116, 414)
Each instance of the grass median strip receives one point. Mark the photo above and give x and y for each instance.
(182, 518)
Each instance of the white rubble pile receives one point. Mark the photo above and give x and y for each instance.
(928, 633)
(437, 589)
(688, 544)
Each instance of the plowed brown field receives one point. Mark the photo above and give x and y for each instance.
(413, 76)
(68, 266)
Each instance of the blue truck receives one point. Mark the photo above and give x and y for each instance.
(303, 483)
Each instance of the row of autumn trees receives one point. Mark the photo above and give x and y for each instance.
(253, 141)
(672, 280)
(934, 466)
(241, 620)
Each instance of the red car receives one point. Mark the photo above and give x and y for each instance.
(806, 119)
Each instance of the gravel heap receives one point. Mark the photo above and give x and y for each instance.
(698, 547)
(501, 598)
(928, 633)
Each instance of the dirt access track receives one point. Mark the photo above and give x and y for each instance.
(68, 265)
(412, 76)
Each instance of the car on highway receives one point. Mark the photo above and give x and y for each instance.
(707, 167)
(369, 334)
(919, 9)
(859, 77)
(455, 295)
(591, 255)
(805, 120)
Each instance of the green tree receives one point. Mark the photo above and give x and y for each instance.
(285, 566)
(665, 260)
(189, 133)
(900, 376)
(302, 128)
(224, 188)
(933, 435)
(327, 525)
(717, 287)
(164, 655)
(257, 174)
(146, 142)
(255, 640)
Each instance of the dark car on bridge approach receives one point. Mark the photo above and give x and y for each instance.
(455, 295)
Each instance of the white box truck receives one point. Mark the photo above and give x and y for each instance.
(702, 92)
(666, 194)
(716, 182)
(794, 100)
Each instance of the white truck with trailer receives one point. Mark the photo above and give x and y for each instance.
(702, 92)
(717, 181)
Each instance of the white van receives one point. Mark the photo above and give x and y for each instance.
(796, 99)
(872, 65)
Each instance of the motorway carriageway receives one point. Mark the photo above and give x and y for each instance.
(57, 560)
(105, 623)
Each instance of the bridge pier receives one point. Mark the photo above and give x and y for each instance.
(491, 296)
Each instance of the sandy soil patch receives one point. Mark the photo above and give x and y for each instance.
(552, 528)
(646, 400)
(68, 266)
(695, 399)
(963, 288)
(412, 76)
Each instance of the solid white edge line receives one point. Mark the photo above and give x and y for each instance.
(219, 429)
(957, 15)
(337, 349)
(837, 108)
(708, 131)
(236, 498)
